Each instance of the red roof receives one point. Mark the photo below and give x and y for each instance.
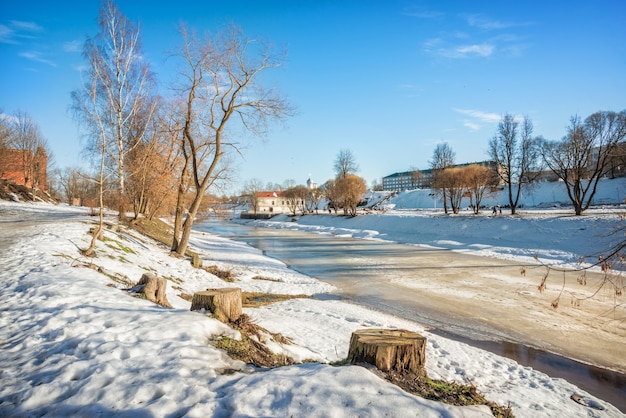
(269, 194)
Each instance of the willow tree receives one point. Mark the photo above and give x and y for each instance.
(221, 89)
(351, 189)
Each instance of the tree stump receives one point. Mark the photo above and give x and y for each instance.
(154, 289)
(224, 303)
(196, 261)
(389, 349)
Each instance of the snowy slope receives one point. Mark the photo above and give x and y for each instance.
(74, 343)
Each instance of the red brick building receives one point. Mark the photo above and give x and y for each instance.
(24, 168)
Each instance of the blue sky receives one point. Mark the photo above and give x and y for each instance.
(386, 79)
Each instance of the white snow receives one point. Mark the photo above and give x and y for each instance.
(74, 343)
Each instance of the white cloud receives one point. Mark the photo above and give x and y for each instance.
(425, 15)
(16, 30)
(482, 22)
(442, 47)
(72, 46)
(26, 26)
(483, 50)
(36, 56)
(471, 125)
(480, 115)
(7, 35)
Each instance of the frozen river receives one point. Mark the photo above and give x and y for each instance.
(375, 274)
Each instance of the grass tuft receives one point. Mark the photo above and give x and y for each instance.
(252, 350)
(442, 391)
(256, 299)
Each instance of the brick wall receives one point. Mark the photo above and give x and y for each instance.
(12, 163)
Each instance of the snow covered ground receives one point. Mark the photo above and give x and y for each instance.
(74, 343)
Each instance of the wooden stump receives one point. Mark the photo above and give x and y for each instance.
(154, 289)
(389, 349)
(196, 261)
(224, 303)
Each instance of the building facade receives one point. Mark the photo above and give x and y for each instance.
(24, 167)
(271, 203)
(407, 180)
(419, 179)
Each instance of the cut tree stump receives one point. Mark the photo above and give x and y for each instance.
(224, 303)
(389, 349)
(154, 289)
(196, 261)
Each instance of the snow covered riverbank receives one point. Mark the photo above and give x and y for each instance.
(74, 343)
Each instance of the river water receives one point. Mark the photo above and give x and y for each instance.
(361, 269)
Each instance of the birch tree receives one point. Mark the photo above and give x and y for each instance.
(122, 83)
(221, 89)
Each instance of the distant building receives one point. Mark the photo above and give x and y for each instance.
(406, 180)
(310, 184)
(419, 179)
(272, 202)
(24, 168)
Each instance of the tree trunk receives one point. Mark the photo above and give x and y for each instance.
(389, 349)
(225, 303)
(154, 289)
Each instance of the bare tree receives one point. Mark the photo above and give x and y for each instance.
(122, 82)
(376, 185)
(480, 180)
(443, 157)
(516, 154)
(6, 133)
(220, 89)
(332, 194)
(154, 162)
(85, 105)
(417, 178)
(295, 198)
(345, 164)
(26, 138)
(273, 186)
(251, 190)
(453, 180)
(313, 198)
(582, 157)
(74, 183)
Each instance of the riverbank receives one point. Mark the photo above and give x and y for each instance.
(75, 343)
(576, 314)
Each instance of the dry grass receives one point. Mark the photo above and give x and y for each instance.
(252, 350)
(269, 279)
(256, 299)
(153, 228)
(226, 275)
(441, 391)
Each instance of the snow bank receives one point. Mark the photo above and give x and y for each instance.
(74, 343)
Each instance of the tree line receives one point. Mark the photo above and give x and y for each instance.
(20, 132)
(152, 152)
(152, 155)
(344, 192)
(591, 150)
